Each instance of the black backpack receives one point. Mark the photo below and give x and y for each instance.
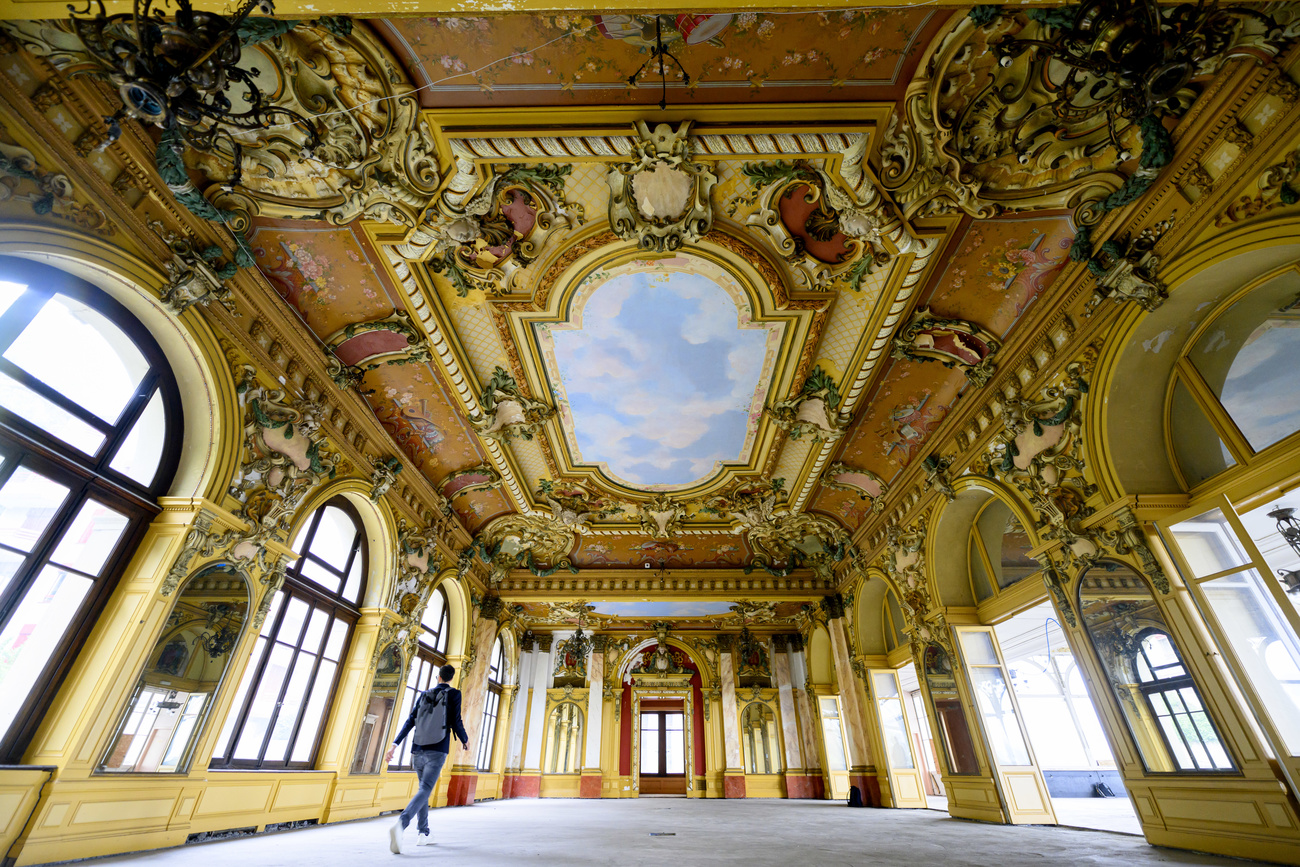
(431, 717)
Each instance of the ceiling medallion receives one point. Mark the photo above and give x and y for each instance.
(951, 342)
(662, 200)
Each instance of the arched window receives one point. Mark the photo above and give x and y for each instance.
(1172, 697)
(429, 657)
(1233, 393)
(491, 707)
(89, 438)
(1153, 689)
(277, 715)
(998, 551)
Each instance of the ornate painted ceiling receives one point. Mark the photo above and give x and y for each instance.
(659, 345)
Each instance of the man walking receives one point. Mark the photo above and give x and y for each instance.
(434, 717)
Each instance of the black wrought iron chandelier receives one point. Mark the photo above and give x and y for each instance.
(219, 632)
(1289, 529)
(177, 73)
(1130, 59)
(660, 53)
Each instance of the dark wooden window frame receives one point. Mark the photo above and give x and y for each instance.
(317, 598)
(87, 476)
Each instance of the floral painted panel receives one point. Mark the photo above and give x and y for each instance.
(324, 272)
(722, 549)
(570, 59)
(412, 405)
(999, 267)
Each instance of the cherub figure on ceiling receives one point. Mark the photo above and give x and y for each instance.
(508, 413)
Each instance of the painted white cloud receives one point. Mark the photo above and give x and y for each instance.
(660, 377)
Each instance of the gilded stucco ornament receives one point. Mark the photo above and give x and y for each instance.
(360, 347)
(826, 236)
(196, 275)
(954, 343)
(1126, 269)
(508, 413)
(50, 194)
(575, 505)
(904, 561)
(285, 454)
(788, 541)
(662, 199)
(382, 477)
(418, 564)
(480, 477)
(661, 516)
(811, 412)
(937, 477)
(481, 233)
(535, 542)
(839, 476)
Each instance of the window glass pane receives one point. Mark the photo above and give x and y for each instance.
(1000, 723)
(674, 744)
(649, 743)
(1266, 526)
(886, 685)
(91, 538)
(338, 635)
(978, 647)
(263, 704)
(433, 611)
(232, 716)
(28, 502)
(1200, 452)
(138, 456)
(287, 717)
(33, 632)
(334, 536)
(833, 736)
(1264, 644)
(318, 574)
(353, 585)
(895, 732)
(104, 371)
(63, 425)
(9, 563)
(1248, 358)
(1209, 544)
(315, 713)
(9, 292)
(315, 631)
(294, 616)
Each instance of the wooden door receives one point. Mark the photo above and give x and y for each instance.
(905, 780)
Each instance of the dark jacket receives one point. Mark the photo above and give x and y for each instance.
(454, 724)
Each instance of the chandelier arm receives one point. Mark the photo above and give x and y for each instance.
(243, 13)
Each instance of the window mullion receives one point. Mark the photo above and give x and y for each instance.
(1218, 417)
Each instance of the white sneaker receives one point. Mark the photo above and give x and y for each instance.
(395, 838)
(424, 839)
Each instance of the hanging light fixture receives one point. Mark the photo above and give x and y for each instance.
(176, 73)
(1289, 529)
(659, 53)
(1129, 59)
(219, 632)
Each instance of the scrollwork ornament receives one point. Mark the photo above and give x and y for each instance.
(662, 200)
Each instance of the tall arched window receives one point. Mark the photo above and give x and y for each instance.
(278, 713)
(89, 438)
(491, 707)
(429, 657)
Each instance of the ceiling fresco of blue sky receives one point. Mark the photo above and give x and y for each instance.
(661, 380)
(663, 608)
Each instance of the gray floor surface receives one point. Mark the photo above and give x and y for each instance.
(617, 832)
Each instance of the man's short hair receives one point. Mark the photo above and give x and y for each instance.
(446, 673)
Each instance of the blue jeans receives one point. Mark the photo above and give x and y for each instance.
(428, 766)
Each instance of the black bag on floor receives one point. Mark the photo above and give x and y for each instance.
(1101, 790)
(855, 797)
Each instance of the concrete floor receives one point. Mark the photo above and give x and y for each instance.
(572, 832)
(1100, 814)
